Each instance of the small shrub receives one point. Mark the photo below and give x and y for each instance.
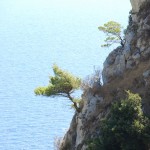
(94, 144)
(57, 143)
(92, 82)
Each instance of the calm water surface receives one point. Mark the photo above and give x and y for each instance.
(33, 36)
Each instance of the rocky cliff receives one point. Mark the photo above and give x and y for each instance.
(126, 68)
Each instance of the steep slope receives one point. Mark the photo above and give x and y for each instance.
(126, 68)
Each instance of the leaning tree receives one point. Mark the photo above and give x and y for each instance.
(61, 84)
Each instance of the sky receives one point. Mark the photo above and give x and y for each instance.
(105, 10)
(45, 16)
(108, 7)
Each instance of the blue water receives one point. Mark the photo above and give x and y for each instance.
(33, 36)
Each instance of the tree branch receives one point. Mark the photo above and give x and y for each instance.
(74, 103)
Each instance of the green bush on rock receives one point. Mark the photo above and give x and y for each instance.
(125, 128)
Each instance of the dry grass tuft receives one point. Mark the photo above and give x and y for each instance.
(57, 143)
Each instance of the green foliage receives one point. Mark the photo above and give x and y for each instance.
(61, 84)
(95, 144)
(126, 127)
(113, 32)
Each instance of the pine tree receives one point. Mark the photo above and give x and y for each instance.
(61, 84)
(113, 33)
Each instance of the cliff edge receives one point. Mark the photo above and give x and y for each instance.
(126, 68)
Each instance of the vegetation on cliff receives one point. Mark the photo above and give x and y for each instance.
(61, 84)
(113, 32)
(111, 118)
(125, 128)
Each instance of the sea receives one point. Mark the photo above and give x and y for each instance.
(34, 35)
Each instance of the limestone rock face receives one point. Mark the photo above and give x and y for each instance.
(147, 23)
(125, 68)
(136, 5)
(114, 65)
(137, 45)
(88, 118)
